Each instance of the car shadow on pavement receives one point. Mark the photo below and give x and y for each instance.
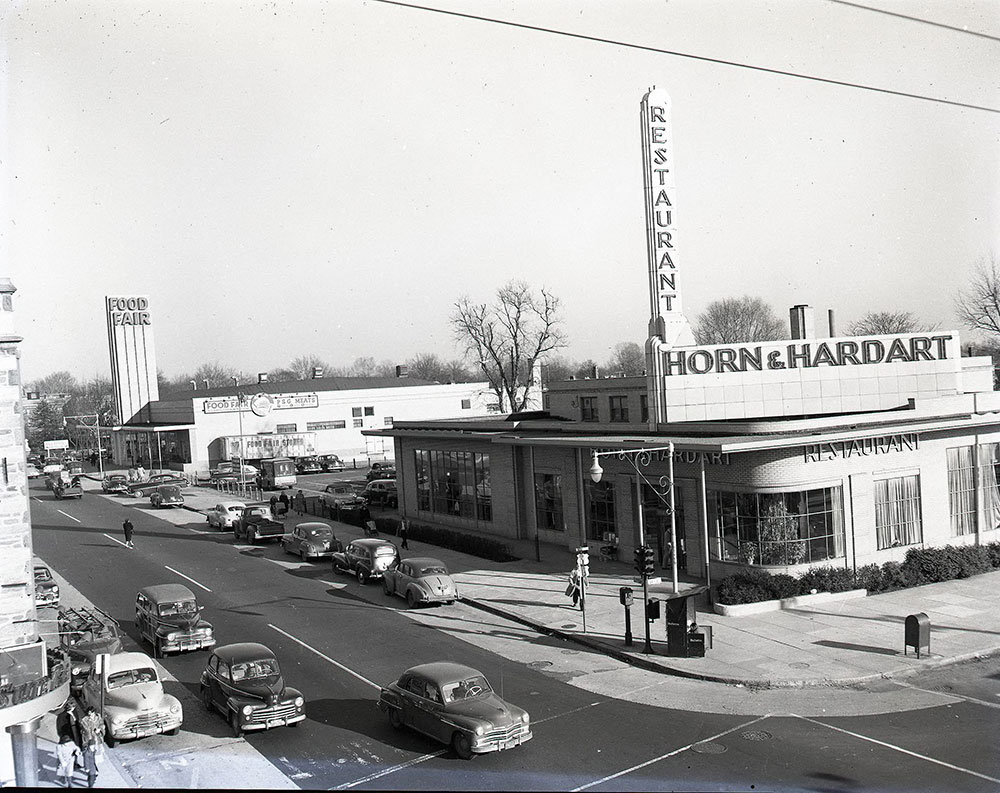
(363, 717)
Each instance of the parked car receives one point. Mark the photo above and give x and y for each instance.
(72, 489)
(308, 465)
(382, 472)
(455, 705)
(135, 704)
(244, 683)
(32, 471)
(382, 491)
(420, 580)
(115, 483)
(85, 633)
(341, 496)
(224, 514)
(312, 540)
(367, 557)
(228, 470)
(257, 523)
(169, 618)
(46, 588)
(146, 488)
(331, 462)
(166, 496)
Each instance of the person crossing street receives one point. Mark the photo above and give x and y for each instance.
(129, 530)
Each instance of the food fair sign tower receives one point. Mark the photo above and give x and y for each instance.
(133, 356)
(668, 327)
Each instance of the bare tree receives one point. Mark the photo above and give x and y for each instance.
(509, 337)
(215, 373)
(302, 367)
(738, 319)
(586, 368)
(56, 383)
(627, 358)
(978, 304)
(557, 367)
(883, 323)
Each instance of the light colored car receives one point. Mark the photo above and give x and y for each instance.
(455, 705)
(224, 514)
(135, 704)
(311, 540)
(32, 471)
(166, 496)
(226, 467)
(420, 580)
(341, 496)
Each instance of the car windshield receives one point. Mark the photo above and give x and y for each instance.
(131, 677)
(319, 531)
(385, 550)
(236, 508)
(184, 607)
(42, 574)
(251, 670)
(433, 569)
(258, 511)
(469, 688)
(340, 489)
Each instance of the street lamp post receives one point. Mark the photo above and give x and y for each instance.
(596, 473)
(242, 398)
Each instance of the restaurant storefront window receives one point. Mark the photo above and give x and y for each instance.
(454, 483)
(962, 490)
(549, 502)
(897, 512)
(789, 528)
(600, 509)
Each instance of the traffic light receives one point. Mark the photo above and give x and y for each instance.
(648, 561)
(640, 556)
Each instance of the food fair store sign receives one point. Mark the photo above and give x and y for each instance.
(807, 377)
(259, 447)
(231, 404)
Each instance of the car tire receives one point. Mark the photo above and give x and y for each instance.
(385, 586)
(234, 723)
(109, 737)
(462, 745)
(157, 649)
(251, 536)
(395, 718)
(411, 599)
(174, 731)
(302, 555)
(206, 699)
(362, 576)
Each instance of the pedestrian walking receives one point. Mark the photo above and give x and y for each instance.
(92, 729)
(283, 500)
(68, 723)
(573, 589)
(299, 502)
(132, 476)
(273, 501)
(129, 529)
(140, 473)
(67, 753)
(403, 528)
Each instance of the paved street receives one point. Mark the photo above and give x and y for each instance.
(599, 723)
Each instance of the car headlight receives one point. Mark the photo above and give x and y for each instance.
(77, 670)
(171, 637)
(524, 718)
(299, 702)
(247, 710)
(118, 721)
(55, 591)
(175, 707)
(204, 631)
(479, 730)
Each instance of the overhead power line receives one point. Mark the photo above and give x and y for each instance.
(706, 59)
(916, 19)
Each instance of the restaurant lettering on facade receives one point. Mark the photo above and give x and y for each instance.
(863, 447)
(644, 458)
(278, 402)
(804, 355)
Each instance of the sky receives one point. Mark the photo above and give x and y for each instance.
(293, 178)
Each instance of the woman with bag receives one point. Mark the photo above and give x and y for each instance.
(66, 753)
(573, 588)
(92, 729)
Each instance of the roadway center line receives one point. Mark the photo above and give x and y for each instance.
(115, 539)
(189, 579)
(326, 657)
(899, 749)
(69, 516)
(390, 770)
(670, 754)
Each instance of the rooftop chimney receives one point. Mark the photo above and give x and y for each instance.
(317, 372)
(402, 371)
(261, 377)
(593, 371)
(832, 324)
(194, 385)
(800, 318)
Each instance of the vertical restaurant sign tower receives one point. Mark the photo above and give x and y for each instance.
(133, 357)
(668, 327)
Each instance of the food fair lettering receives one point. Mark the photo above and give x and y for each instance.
(129, 310)
(805, 355)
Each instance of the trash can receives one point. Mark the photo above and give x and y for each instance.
(917, 633)
(695, 642)
(680, 614)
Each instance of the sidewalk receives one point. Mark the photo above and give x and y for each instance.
(837, 642)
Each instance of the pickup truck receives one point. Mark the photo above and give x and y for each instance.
(257, 523)
(68, 489)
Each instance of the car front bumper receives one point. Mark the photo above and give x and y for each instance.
(147, 727)
(280, 721)
(482, 745)
(186, 643)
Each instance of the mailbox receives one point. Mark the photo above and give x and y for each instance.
(917, 633)
(625, 595)
(695, 642)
